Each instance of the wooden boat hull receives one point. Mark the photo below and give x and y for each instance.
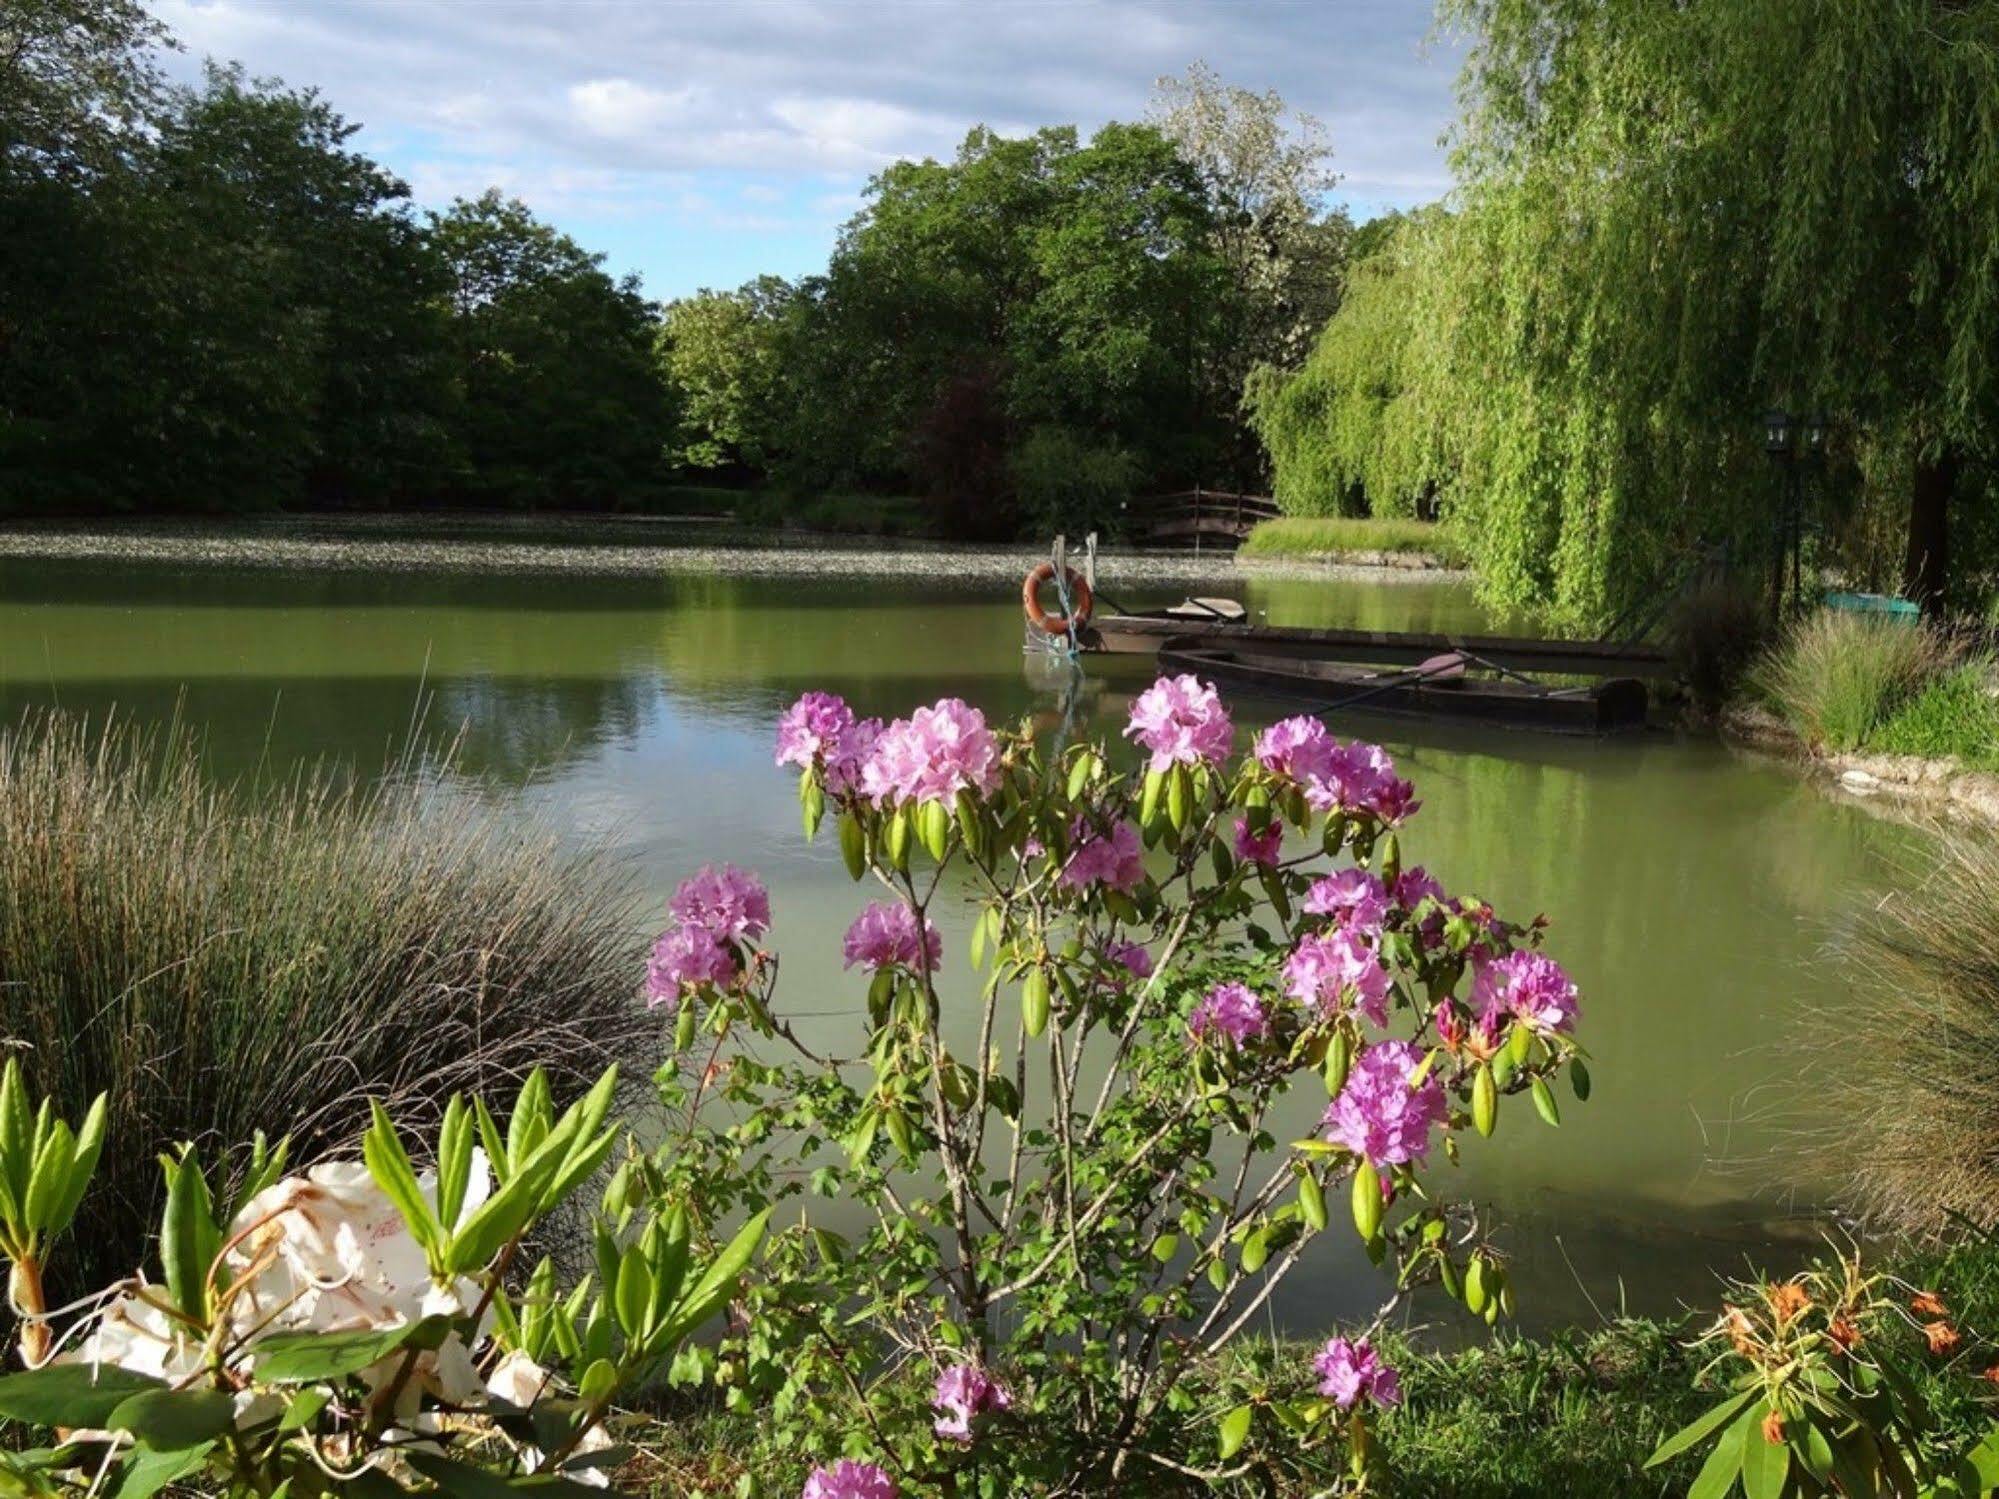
(1603, 707)
(1144, 634)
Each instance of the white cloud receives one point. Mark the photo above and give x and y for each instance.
(619, 109)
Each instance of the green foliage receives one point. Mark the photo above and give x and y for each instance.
(1669, 218)
(1337, 536)
(1955, 716)
(1069, 485)
(295, 1317)
(292, 948)
(721, 353)
(1355, 430)
(1837, 676)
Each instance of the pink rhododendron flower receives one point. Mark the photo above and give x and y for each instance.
(1182, 721)
(1110, 858)
(1353, 898)
(964, 1393)
(728, 903)
(1415, 883)
(1368, 783)
(820, 730)
(1347, 1371)
(1299, 749)
(932, 755)
(1262, 848)
(847, 1479)
(885, 936)
(1378, 1114)
(686, 957)
(1527, 986)
(1323, 969)
(1228, 1010)
(1132, 957)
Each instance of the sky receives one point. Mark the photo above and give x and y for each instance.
(701, 143)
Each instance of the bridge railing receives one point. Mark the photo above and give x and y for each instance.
(1202, 514)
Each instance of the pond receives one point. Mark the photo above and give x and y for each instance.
(630, 695)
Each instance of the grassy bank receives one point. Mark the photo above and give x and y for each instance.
(1869, 684)
(1338, 537)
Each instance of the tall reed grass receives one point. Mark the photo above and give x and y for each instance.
(1910, 1066)
(227, 959)
(1836, 677)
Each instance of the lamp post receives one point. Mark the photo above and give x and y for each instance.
(1792, 439)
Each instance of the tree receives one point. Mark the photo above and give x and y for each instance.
(722, 355)
(1267, 171)
(559, 394)
(1679, 215)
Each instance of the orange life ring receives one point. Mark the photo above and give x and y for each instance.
(1041, 619)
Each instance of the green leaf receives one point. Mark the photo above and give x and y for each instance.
(934, 826)
(303, 1410)
(853, 845)
(1234, 1431)
(454, 1161)
(71, 1394)
(48, 1178)
(173, 1420)
(1034, 1002)
(1485, 1100)
(634, 1293)
(1367, 1202)
(189, 1237)
(146, 1471)
(1544, 1103)
(1179, 798)
(1765, 1464)
(717, 1282)
(1312, 1201)
(309, 1357)
(1698, 1429)
(83, 1162)
(1148, 807)
(1718, 1474)
(1579, 1080)
(1256, 1250)
(530, 1122)
(389, 1164)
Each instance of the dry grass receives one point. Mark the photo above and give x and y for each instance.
(1837, 677)
(1913, 1066)
(1716, 632)
(223, 959)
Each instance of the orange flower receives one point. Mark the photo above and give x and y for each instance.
(1741, 1332)
(1928, 1304)
(1991, 1375)
(1844, 1333)
(1944, 1340)
(1773, 1428)
(1787, 1299)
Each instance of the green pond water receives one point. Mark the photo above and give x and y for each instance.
(1690, 889)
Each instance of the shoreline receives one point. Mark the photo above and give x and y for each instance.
(605, 545)
(1905, 785)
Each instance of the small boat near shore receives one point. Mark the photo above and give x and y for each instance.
(1442, 687)
(1225, 624)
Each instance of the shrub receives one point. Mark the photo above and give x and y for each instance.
(1072, 1187)
(1955, 715)
(1911, 1067)
(218, 959)
(1069, 485)
(1835, 677)
(1716, 632)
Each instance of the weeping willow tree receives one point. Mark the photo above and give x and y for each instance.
(1668, 218)
(1352, 433)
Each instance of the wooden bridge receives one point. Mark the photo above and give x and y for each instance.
(1202, 517)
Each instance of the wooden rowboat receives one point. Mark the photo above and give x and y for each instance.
(1224, 623)
(1438, 688)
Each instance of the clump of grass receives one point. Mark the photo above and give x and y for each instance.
(222, 960)
(1955, 715)
(1911, 1066)
(1716, 632)
(1345, 535)
(1836, 677)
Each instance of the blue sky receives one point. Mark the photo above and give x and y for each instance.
(702, 143)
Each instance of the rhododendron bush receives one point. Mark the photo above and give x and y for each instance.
(1063, 1137)
(354, 1323)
